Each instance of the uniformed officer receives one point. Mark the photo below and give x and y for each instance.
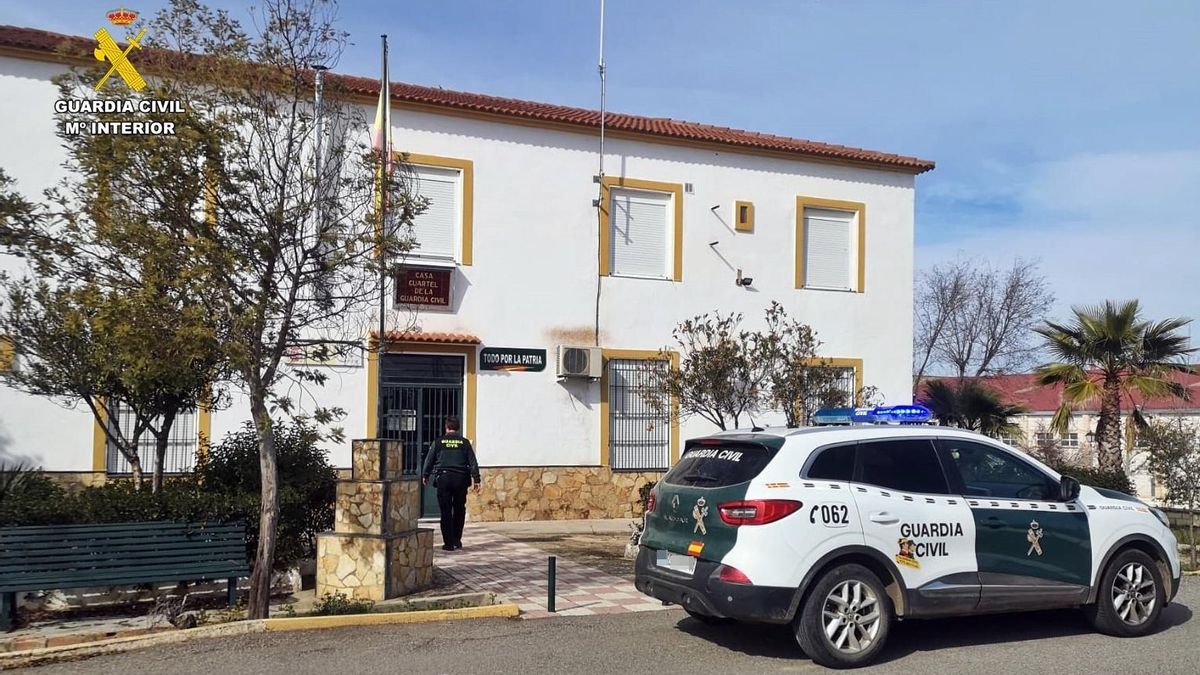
(451, 462)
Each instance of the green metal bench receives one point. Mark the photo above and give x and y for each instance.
(116, 554)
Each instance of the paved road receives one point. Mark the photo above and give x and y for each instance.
(668, 642)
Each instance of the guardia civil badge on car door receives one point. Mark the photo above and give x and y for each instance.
(840, 530)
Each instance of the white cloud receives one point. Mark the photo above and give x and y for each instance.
(1105, 226)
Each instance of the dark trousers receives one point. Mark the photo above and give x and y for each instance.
(452, 501)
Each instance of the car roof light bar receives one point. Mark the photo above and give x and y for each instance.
(883, 414)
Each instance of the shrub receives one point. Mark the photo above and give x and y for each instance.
(1097, 477)
(337, 603)
(644, 493)
(307, 484)
(28, 494)
(224, 489)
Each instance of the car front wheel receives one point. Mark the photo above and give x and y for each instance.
(1130, 598)
(845, 619)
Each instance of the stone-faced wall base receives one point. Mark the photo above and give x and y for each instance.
(354, 565)
(557, 493)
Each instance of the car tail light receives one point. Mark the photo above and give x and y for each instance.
(651, 501)
(757, 511)
(732, 575)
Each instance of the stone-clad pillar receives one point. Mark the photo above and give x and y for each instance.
(373, 553)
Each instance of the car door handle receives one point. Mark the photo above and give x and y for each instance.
(993, 522)
(884, 518)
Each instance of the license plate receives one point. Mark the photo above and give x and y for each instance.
(676, 562)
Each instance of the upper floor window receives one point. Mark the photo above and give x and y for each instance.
(830, 244)
(444, 230)
(642, 229)
(743, 214)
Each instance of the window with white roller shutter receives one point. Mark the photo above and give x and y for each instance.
(829, 239)
(641, 234)
(436, 230)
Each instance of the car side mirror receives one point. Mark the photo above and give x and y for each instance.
(1068, 489)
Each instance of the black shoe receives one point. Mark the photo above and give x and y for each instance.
(447, 547)
(457, 546)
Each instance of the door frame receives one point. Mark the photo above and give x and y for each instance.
(467, 351)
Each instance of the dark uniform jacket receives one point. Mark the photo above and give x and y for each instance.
(451, 452)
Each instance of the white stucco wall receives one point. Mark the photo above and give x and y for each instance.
(532, 281)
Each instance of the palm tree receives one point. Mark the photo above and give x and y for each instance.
(971, 405)
(1110, 351)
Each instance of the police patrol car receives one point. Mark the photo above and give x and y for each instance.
(841, 530)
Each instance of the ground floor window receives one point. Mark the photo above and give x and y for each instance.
(639, 434)
(182, 447)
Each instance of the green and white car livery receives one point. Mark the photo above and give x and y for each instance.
(840, 530)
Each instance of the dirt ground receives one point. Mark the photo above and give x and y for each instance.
(604, 552)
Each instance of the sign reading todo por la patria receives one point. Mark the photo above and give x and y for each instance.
(512, 359)
(428, 286)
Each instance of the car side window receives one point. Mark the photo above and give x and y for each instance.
(992, 472)
(836, 463)
(905, 465)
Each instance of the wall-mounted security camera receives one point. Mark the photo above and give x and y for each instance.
(745, 281)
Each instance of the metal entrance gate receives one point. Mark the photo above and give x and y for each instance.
(419, 392)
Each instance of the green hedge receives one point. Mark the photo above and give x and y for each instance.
(223, 489)
(1096, 477)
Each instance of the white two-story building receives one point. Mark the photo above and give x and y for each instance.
(517, 267)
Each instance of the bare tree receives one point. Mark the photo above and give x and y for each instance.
(941, 294)
(976, 319)
(800, 380)
(722, 373)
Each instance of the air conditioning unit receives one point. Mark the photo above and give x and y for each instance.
(580, 362)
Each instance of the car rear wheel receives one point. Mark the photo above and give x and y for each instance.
(845, 619)
(1130, 598)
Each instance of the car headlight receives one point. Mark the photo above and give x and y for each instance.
(1162, 517)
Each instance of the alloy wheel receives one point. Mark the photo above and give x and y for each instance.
(1133, 594)
(851, 616)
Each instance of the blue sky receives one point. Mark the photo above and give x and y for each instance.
(1065, 131)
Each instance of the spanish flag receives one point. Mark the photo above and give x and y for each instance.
(381, 134)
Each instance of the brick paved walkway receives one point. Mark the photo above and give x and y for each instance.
(494, 563)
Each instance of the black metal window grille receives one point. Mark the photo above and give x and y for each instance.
(639, 435)
(182, 446)
(845, 384)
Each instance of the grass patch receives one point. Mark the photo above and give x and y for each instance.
(337, 604)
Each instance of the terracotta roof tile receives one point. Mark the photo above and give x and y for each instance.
(428, 337)
(30, 39)
(1021, 388)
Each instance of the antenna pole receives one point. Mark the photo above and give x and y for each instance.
(600, 177)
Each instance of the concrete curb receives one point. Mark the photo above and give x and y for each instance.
(505, 611)
(32, 657)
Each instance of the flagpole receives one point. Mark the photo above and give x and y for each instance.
(385, 177)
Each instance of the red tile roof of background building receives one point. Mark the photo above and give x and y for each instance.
(668, 130)
(1022, 389)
